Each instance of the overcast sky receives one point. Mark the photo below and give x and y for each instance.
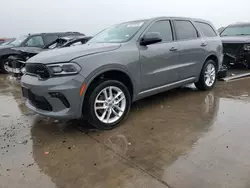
(19, 17)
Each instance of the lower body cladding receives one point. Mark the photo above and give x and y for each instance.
(57, 97)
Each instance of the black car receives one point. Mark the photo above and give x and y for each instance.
(236, 44)
(32, 40)
(17, 62)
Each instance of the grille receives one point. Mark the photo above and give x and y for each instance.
(233, 49)
(38, 69)
(37, 101)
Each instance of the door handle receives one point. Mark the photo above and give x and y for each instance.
(173, 49)
(204, 44)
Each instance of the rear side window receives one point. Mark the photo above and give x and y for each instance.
(206, 29)
(164, 28)
(49, 38)
(185, 30)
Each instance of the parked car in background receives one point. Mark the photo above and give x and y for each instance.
(236, 44)
(122, 64)
(6, 41)
(34, 40)
(17, 62)
(2, 40)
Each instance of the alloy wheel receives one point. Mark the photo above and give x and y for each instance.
(210, 75)
(110, 104)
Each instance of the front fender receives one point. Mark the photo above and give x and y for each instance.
(7, 52)
(105, 68)
(126, 60)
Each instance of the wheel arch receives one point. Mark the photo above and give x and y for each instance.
(2, 57)
(214, 58)
(109, 73)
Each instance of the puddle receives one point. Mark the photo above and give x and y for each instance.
(179, 137)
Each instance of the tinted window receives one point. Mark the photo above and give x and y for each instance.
(185, 30)
(49, 38)
(36, 41)
(206, 29)
(164, 28)
(57, 43)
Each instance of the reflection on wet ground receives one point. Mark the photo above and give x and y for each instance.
(180, 138)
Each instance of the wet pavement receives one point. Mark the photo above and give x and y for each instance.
(181, 138)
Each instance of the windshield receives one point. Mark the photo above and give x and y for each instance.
(236, 30)
(19, 40)
(118, 33)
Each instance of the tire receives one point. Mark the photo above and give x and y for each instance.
(222, 73)
(203, 83)
(248, 63)
(2, 65)
(94, 115)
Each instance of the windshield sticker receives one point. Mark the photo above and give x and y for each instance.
(135, 24)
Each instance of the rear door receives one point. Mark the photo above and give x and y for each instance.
(192, 48)
(159, 60)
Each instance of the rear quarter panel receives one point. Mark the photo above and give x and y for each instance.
(214, 46)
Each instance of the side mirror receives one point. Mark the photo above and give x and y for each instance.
(150, 38)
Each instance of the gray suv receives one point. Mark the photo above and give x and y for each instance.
(122, 64)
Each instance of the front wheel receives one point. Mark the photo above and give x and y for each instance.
(4, 65)
(108, 104)
(207, 78)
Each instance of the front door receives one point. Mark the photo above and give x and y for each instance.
(159, 60)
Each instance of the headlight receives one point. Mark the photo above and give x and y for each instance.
(247, 47)
(64, 69)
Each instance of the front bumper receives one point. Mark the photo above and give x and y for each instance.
(235, 54)
(42, 98)
(230, 59)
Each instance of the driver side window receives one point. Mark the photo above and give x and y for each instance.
(164, 28)
(36, 41)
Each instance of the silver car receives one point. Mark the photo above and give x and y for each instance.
(122, 64)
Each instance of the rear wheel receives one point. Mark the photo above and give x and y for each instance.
(207, 78)
(108, 104)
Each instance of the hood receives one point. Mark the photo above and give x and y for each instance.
(235, 39)
(5, 46)
(68, 54)
(32, 50)
(7, 50)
